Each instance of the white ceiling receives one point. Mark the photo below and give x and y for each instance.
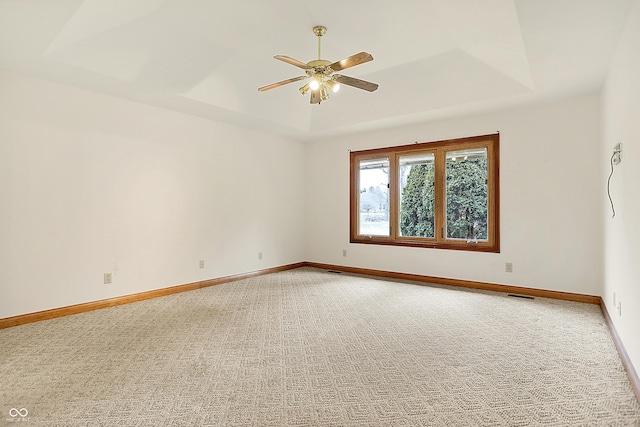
(433, 58)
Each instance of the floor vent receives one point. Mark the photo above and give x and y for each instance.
(334, 271)
(520, 296)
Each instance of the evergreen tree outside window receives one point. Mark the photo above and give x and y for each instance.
(467, 194)
(442, 194)
(417, 195)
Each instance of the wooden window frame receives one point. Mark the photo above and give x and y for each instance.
(439, 148)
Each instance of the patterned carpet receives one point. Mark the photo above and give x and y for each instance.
(310, 348)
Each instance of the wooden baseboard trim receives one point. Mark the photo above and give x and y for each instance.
(626, 361)
(541, 293)
(23, 319)
(126, 299)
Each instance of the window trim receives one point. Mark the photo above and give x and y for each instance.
(491, 141)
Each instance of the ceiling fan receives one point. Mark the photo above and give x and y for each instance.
(321, 72)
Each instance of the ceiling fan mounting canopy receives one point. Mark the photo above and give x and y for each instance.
(319, 30)
(322, 72)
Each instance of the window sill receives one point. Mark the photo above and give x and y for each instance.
(471, 247)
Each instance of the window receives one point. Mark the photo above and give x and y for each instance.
(442, 194)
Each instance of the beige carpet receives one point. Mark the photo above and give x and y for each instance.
(311, 348)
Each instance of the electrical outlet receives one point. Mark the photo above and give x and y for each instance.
(619, 307)
(344, 252)
(508, 267)
(259, 255)
(107, 278)
(617, 153)
(615, 304)
(201, 264)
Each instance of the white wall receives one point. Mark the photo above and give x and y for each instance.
(621, 123)
(550, 192)
(92, 184)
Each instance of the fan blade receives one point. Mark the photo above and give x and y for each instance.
(315, 97)
(292, 61)
(352, 61)
(360, 84)
(282, 83)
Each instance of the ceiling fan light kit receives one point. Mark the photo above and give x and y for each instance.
(321, 72)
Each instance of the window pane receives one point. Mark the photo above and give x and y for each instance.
(417, 195)
(467, 194)
(373, 202)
